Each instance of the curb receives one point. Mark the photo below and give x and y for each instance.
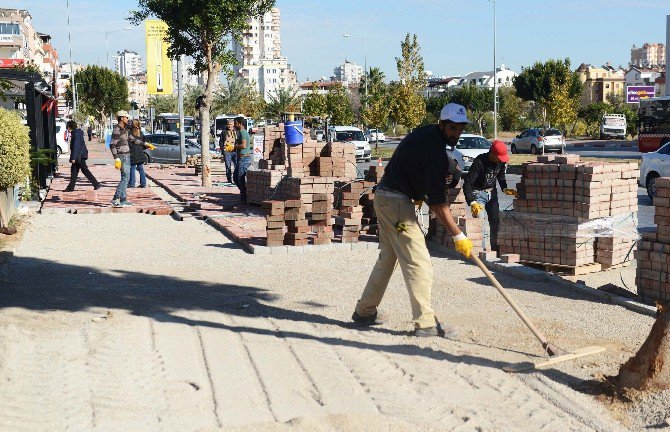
(522, 272)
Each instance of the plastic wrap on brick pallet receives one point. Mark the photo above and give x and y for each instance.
(519, 225)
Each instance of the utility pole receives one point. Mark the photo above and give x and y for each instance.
(69, 42)
(495, 77)
(180, 105)
(667, 54)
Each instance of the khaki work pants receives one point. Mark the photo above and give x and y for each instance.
(409, 249)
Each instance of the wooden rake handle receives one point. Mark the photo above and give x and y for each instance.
(538, 334)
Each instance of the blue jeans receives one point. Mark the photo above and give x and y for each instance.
(241, 169)
(143, 175)
(125, 173)
(490, 202)
(230, 159)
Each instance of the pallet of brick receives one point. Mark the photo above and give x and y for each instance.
(321, 218)
(369, 221)
(274, 217)
(374, 173)
(614, 251)
(297, 226)
(304, 188)
(344, 159)
(324, 166)
(266, 184)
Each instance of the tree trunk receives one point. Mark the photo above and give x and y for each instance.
(204, 123)
(649, 369)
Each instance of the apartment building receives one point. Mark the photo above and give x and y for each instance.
(259, 59)
(128, 63)
(599, 82)
(504, 77)
(648, 55)
(138, 90)
(348, 72)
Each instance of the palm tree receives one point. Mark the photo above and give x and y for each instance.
(227, 99)
(283, 100)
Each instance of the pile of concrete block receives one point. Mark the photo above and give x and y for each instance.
(298, 229)
(374, 173)
(614, 251)
(560, 199)
(653, 251)
(304, 188)
(274, 217)
(472, 228)
(266, 184)
(350, 214)
(344, 160)
(321, 219)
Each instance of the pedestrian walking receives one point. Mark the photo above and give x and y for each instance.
(245, 150)
(120, 147)
(227, 147)
(479, 187)
(78, 156)
(89, 130)
(417, 171)
(137, 156)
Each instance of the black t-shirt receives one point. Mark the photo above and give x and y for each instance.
(418, 167)
(483, 175)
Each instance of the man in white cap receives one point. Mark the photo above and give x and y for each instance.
(418, 170)
(120, 148)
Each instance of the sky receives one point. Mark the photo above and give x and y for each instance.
(456, 37)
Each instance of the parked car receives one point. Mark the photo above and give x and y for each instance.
(317, 134)
(354, 136)
(468, 148)
(539, 141)
(167, 148)
(375, 135)
(62, 137)
(654, 165)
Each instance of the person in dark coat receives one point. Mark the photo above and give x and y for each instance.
(137, 156)
(89, 130)
(78, 156)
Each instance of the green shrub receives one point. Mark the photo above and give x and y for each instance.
(14, 150)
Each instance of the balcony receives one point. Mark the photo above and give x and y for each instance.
(11, 40)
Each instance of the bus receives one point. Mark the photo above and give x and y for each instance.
(223, 118)
(654, 120)
(168, 122)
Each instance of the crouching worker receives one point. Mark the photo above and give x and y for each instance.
(417, 170)
(479, 187)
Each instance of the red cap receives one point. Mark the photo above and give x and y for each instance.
(499, 149)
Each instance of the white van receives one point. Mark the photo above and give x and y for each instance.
(354, 136)
(62, 138)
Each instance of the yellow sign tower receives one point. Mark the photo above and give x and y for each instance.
(159, 66)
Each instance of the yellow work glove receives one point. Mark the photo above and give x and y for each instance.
(463, 245)
(151, 146)
(512, 192)
(228, 147)
(476, 208)
(117, 163)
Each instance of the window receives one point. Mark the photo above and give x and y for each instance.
(10, 28)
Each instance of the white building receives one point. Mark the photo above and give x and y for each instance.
(438, 85)
(128, 63)
(259, 59)
(639, 76)
(648, 55)
(348, 73)
(504, 77)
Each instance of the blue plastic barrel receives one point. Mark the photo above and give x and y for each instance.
(293, 133)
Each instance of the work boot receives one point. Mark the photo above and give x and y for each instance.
(127, 204)
(376, 318)
(448, 331)
(116, 203)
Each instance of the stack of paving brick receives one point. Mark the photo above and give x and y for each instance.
(304, 188)
(350, 211)
(344, 160)
(367, 201)
(263, 184)
(324, 166)
(321, 218)
(274, 217)
(472, 228)
(374, 174)
(558, 197)
(653, 251)
(613, 251)
(297, 232)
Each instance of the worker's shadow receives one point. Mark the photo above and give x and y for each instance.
(40, 285)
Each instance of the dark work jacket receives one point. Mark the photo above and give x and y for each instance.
(78, 150)
(483, 175)
(137, 156)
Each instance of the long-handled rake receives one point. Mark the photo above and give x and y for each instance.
(556, 355)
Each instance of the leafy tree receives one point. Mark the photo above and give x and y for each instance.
(477, 100)
(592, 114)
(376, 85)
(100, 92)
(239, 98)
(535, 83)
(561, 108)
(377, 111)
(191, 94)
(203, 30)
(314, 104)
(14, 152)
(163, 103)
(408, 107)
(337, 105)
(281, 101)
(511, 109)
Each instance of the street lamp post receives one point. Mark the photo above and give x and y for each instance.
(69, 42)
(495, 77)
(365, 64)
(107, 33)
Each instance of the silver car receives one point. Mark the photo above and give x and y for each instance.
(167, 148)
(539, 141)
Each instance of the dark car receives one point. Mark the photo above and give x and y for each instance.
(167, 148)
